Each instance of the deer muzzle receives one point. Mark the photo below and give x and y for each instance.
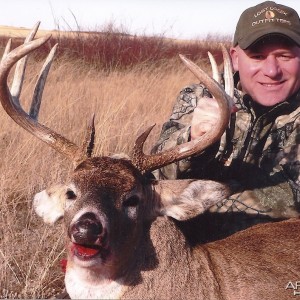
(89, 237)
(87, 230)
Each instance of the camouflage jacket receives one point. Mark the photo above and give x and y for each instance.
(259, 152)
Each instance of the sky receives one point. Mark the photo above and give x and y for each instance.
(182, 19)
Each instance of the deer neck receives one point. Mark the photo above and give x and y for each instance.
(82, 284)
(161, 246)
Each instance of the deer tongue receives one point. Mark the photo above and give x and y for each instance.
(84, 251)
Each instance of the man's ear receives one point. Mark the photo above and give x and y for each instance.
(49, 204)
(234, 58)
(185, 199)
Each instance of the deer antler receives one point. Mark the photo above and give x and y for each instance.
(11, 104)
(148, 163)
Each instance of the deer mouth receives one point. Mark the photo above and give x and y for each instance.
(89, 238)
(89, 252)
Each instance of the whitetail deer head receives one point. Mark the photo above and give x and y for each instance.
(109, 203)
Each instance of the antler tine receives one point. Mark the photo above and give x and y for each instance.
(15, 111)
(40, 84)
(88, 143)
(7, 48)
(214, 68)
(213, 86)
(148, 163)
(142, 161)
(18, 79)
(228, 72)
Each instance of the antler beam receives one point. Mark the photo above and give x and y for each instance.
(11, 103)
(148, 163)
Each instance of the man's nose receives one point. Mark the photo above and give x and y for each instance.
(271, 67)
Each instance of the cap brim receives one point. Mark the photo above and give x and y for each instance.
(247, 41)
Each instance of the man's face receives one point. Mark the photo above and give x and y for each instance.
(269, 70)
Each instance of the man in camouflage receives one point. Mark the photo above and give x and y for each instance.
(259, 152)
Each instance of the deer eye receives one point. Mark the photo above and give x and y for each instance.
(132, 201)
(70, 195)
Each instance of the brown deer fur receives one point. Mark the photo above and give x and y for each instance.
(152, 259)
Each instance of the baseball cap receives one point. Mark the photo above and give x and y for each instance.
(266, 18)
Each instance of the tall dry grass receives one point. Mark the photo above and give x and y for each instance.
(125, 102)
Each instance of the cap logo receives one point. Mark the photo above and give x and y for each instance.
(269, 14)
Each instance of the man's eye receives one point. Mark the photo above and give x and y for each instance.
(286, 57)
(70, 195)
(257, 57)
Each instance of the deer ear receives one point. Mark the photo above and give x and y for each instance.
(185, 199)
(49, 204)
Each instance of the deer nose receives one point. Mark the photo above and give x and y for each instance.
(87, 229)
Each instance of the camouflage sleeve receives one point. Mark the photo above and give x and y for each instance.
(286, 170)
(272, 190)
(276, 184)
(177, 129)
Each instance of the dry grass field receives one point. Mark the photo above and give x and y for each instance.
(124, 102)
(22, 32)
